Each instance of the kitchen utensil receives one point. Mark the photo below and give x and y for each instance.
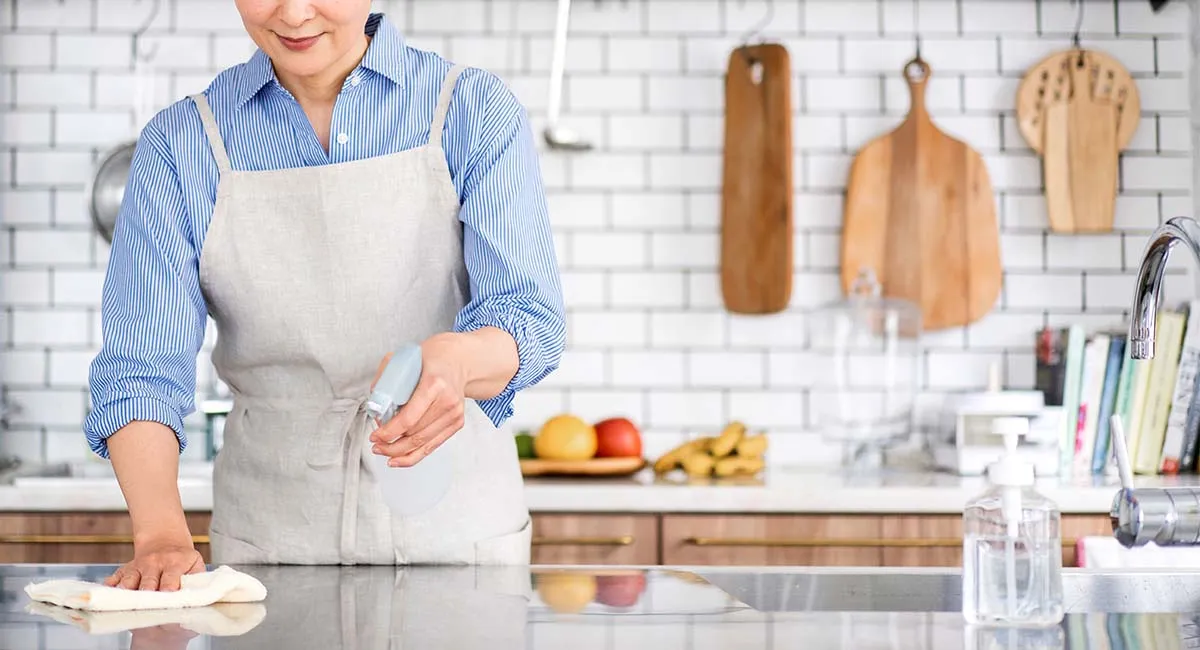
(756, 197)
(865, 361)
(557, 136)
(107, 188)
(920, 214)
(590, 467)
(1078, 109)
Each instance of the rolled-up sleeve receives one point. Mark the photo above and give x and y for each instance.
(152, 311)
(508, 246)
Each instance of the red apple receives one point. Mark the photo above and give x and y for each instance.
(620, 591)
(618, 438)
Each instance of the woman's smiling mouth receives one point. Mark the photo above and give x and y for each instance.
(298, 44)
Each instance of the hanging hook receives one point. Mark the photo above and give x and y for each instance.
(755, 33)
(757, 30)
(917, 27)
(1078, 22)
(137, 35)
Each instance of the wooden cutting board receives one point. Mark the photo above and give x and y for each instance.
(920, 213)
(622, 466)
(756, 195)
(1078, 108)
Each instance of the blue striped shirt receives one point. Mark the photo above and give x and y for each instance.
(153, 311)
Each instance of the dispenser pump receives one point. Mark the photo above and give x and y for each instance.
(1010, 470)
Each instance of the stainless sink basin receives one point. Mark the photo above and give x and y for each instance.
(940, 590)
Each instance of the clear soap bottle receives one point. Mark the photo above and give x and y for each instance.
(412, 490)
(1012, 544)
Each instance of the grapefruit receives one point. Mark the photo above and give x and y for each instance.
(565, 437)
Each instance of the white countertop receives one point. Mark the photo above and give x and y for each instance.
(777, 490)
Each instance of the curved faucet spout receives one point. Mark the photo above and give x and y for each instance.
(1147, 293)
(1167, 516)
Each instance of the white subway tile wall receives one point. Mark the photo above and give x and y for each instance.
(636, 219)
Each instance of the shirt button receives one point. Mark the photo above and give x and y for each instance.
(343, 138)
(354, 80)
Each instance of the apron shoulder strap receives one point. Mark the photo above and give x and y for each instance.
(443, 105)
(213, 133)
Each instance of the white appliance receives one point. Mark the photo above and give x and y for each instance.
(964, 444)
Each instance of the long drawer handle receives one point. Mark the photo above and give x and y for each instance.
(848, 542)
(80, 539)
(624, 540)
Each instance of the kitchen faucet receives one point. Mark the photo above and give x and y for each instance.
(1166, 516)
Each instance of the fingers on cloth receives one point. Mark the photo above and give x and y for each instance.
(130, 578)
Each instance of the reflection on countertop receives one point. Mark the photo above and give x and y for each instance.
(778, 489)
(526, 608)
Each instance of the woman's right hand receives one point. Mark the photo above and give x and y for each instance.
(158, 564)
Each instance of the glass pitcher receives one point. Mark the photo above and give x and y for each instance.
(866, 354)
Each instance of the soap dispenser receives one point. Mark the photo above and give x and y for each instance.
(1012, 544)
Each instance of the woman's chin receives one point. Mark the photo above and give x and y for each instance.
(301, 64)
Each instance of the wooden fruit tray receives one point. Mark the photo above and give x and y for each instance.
(590, 467)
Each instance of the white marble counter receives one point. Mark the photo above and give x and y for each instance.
(633, 608)
(778, 490)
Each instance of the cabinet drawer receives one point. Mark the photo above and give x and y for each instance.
(81, 537)
(936, 540)
(595, 539)
(764, 540)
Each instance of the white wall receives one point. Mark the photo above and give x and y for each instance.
(636, 219)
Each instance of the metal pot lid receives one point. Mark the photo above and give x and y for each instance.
(108, 188)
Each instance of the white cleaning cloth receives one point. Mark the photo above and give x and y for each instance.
(1095, 552)
(223, 585)
(220, 619)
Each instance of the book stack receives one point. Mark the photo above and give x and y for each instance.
(1092, 377)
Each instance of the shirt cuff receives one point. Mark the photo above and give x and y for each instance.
(531, 359)
(106, 420)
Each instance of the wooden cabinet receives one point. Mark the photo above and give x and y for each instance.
(595, 539)
(78, 537)
(836, 540)
(921, 541)
(797, 540)
(576, 538)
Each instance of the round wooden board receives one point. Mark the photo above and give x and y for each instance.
(1048, 80)
(590, 467)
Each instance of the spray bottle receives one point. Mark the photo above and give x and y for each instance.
(408, 490)
(1012, 544)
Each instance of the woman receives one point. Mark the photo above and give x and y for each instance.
(338, 195)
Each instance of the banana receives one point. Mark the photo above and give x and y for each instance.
(698, 463)
(752, 446)
(734, 465)
(673, 458)
(728, 440)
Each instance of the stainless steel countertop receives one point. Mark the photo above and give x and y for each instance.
(630, 608)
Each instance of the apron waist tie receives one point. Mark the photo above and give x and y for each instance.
(353, 434)
(354, 440)
(347, 416)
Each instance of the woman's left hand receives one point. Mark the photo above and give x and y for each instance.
(433, 414)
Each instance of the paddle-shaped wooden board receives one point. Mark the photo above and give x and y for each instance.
(920, 213)
(756, 196)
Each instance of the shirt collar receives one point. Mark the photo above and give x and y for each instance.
(384, 55)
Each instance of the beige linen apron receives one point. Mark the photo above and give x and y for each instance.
(312, 274)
